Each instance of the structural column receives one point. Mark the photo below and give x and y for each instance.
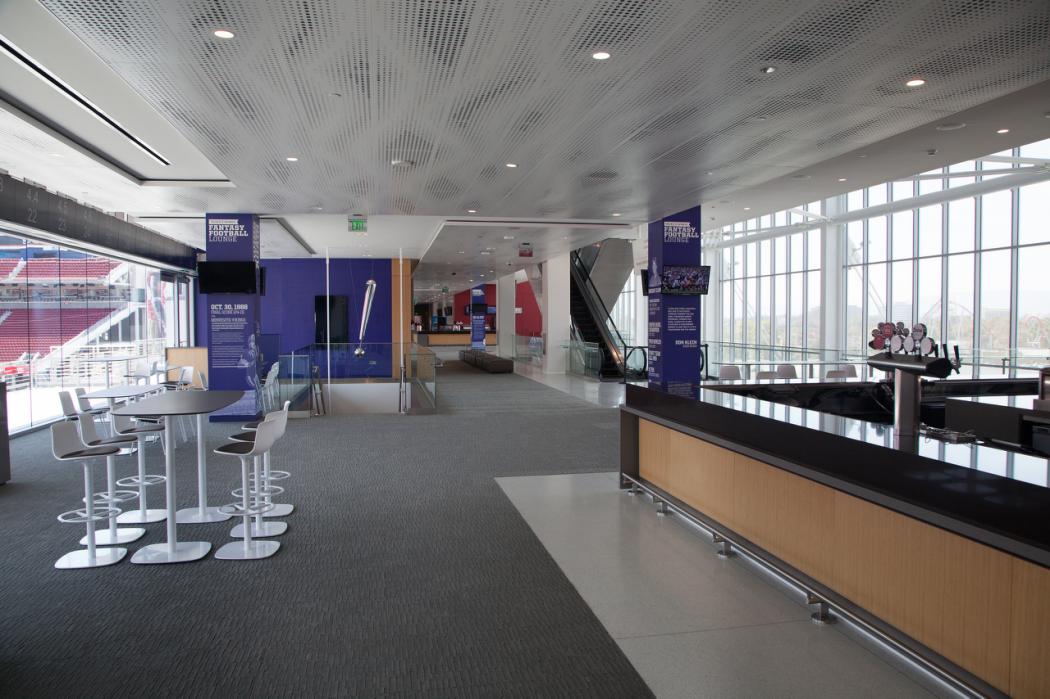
(556, 320)
(506, 300)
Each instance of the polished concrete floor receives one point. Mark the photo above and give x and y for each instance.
(691, 623)
(606, 394)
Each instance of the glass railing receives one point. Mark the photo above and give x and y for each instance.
(421, 375)
(528, 349)
(294, 377)
(584, 358)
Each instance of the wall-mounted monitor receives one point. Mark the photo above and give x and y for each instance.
(226, 277)
(685, 281)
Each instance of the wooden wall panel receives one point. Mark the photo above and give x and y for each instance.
(969, 602)
(1030, 631)
(196, 357)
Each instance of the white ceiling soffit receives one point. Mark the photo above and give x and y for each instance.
(51, 79)
(459, 88)
(466, 255)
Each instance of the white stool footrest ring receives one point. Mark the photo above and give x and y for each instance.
(133, 481)
(237, 509)
(81, 516)
(264, 491)
(274, 476)
(103, 498)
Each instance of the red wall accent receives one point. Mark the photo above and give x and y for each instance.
(461, 300)
(528, 323)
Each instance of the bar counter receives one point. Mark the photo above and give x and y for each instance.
(450, 338)
(945, 546)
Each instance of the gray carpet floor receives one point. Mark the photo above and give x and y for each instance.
(405, 571)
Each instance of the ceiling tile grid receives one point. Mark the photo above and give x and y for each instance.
(459, 88)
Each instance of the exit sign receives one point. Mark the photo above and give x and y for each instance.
(358, 225)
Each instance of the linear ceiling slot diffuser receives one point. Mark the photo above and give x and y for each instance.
(61, 86)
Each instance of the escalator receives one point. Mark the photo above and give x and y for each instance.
(591, 323)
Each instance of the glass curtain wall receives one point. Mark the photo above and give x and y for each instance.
(770, 289)
(972, 269)
(62, 310)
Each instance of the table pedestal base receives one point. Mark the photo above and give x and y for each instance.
(184, 551)
(192, 515)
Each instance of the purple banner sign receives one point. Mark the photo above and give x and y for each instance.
(477, 321)
(233, 319)
(674, 320)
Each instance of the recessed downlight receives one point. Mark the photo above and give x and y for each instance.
(616, 214)
(292, 159)
(601, 55)
(55, 155)
(747, 208)
(915, 82)
(950, 126)
(508, 237)
(400, 162)
(842, 179)
(223, 34)
(512, 165)
(768, 69)
(1002, 131)
(472, 211)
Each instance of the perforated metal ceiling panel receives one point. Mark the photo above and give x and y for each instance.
(461, 87)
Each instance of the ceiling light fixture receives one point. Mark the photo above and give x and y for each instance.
(56, 155)
(601, 55)
(747, 208)
(769, 69)
(512, 165)
(292, 159)
(617, 214)
(915, 82)
(472, 211)
(399, 162)
(223, 33)
(508, 237)
(950, 126)
(842, 179)
(1003, 131)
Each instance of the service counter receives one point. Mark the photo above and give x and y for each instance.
(450, 338)
(944, 547)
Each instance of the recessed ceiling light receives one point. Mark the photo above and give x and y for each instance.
(398, 162)
(470, 280)
(747, 208)
(472, 211)
(800, 177)
(1003, 131)
(292, 159)
(512, 165)
(508, 237)
(462, 252)
(915, 82)
(769, 69)
(617, 214)
(335, 94)
(842, 179)
(318, 208)
(950, 126)
(223, 33)
(601, 55)
(482, 275)
(56, 155)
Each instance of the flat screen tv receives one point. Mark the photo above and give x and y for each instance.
(685, 281)
(226, 277)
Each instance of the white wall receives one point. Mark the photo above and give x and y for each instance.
(555, 308)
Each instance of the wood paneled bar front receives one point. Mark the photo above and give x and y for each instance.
(864, 524)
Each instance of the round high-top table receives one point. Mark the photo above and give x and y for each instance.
(107, 360)
(130, 391)
(168, 405)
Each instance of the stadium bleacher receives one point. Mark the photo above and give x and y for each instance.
(50, 326)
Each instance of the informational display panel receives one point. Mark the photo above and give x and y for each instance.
(233, 319)
(674, 320)
(477, 321)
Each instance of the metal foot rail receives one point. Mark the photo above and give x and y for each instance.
(728, 542)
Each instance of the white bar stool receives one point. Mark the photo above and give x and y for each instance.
(111, 495)
(125, 427)
(66, 446)
(248, 548)
(281, 509)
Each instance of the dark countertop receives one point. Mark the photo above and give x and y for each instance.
(994, 496)
(181, 403)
